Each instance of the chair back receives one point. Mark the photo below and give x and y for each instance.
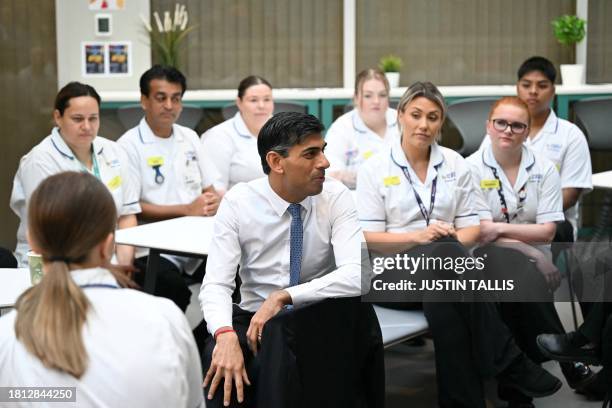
(594, 117)
(130, 115)
(230, 110)
(469, 117)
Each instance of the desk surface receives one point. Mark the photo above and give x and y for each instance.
(188, 235)
(603, 180)
(13, 282)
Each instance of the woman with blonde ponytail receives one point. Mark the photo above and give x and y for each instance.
(81, 326)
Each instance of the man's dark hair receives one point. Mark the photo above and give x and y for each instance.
(283, 131)
(540, 64)
(168, 73)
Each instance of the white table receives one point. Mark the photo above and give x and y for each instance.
(186, 236)
(13, 282)
(603, 180)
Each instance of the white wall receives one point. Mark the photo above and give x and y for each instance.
(75, 23)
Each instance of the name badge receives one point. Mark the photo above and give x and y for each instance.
(114, 183)
(489, 184)
(368, 154)
(155, 161)
(391, 181)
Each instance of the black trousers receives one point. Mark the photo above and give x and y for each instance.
(7, 259)
(471, 341)
(327, 354)
(170, 282)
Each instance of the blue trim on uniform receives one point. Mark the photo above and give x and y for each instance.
(236, 129)
(366, 220)
(60, 152)
(135, 202)
(465, 216)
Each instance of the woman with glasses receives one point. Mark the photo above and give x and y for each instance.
(359, 134)
(74, 145)
(80, 328)
(416, 199)
(520, 203)
(232, 145)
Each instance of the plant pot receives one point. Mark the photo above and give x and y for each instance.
(393, 78)
(572, 74)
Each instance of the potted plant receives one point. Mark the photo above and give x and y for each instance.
(391, 66)
(570, 30)
(168, 33)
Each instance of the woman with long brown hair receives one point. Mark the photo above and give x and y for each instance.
(80, 327)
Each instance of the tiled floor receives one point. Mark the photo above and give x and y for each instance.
(411, 377)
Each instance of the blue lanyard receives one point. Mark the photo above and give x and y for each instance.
(522, 194)
(424, 212)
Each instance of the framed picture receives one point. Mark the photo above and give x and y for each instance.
(119, 58)
(94, 59)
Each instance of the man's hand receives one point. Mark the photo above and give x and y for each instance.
(273, 304)
(489, 232)
(211, 203)
(227, 364)
(205, 204)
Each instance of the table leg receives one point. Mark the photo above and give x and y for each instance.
(152, 270)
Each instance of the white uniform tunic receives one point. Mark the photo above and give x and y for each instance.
(140, 349)
(565, 145)
(386, 201)
(350, 142)
(233, 151)
(52, 156)
(535, 198)
(184, 174)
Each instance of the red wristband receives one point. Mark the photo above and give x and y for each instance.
(223, 330)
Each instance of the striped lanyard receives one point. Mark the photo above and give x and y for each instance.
(522, 195)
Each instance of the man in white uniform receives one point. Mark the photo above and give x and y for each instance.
(172, 179)
(297, 240)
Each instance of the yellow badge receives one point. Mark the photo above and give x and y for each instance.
(558, 167)
(367, 154)
(114, 183)
(391, 181)
(489, 184)
(155, 161)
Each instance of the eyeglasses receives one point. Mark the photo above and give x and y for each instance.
(517, 128)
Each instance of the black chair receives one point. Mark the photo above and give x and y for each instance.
(230, 110)
(130, 115)
(469, 117)
(594, 117)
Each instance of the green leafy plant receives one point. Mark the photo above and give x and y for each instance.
(390, 63)
(167, 35)
(569, 30)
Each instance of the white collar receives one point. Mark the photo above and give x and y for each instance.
(93, 276)
(436, 158)
(147, 136)
(527, 162)
(60, 145)
(240, 127)
(550, 126)
(279, 204)
(360, 126)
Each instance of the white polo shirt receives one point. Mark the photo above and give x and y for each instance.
(185, 173)
(565, 145)
(140, 349)
(386, 201)
(52, 156)
(535, 198)
(232, 149)
(350, 142)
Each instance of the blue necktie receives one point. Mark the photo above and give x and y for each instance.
(295, 244)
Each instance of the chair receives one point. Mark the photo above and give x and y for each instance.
(469, 117)
(230, 110)
(130, 115)
(398, 326)
(594, 117)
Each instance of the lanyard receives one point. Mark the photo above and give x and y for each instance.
(99, 285)
(522, 194)
(94, 164)
(424, 212)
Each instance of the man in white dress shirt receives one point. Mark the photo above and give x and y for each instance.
(296, 238)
